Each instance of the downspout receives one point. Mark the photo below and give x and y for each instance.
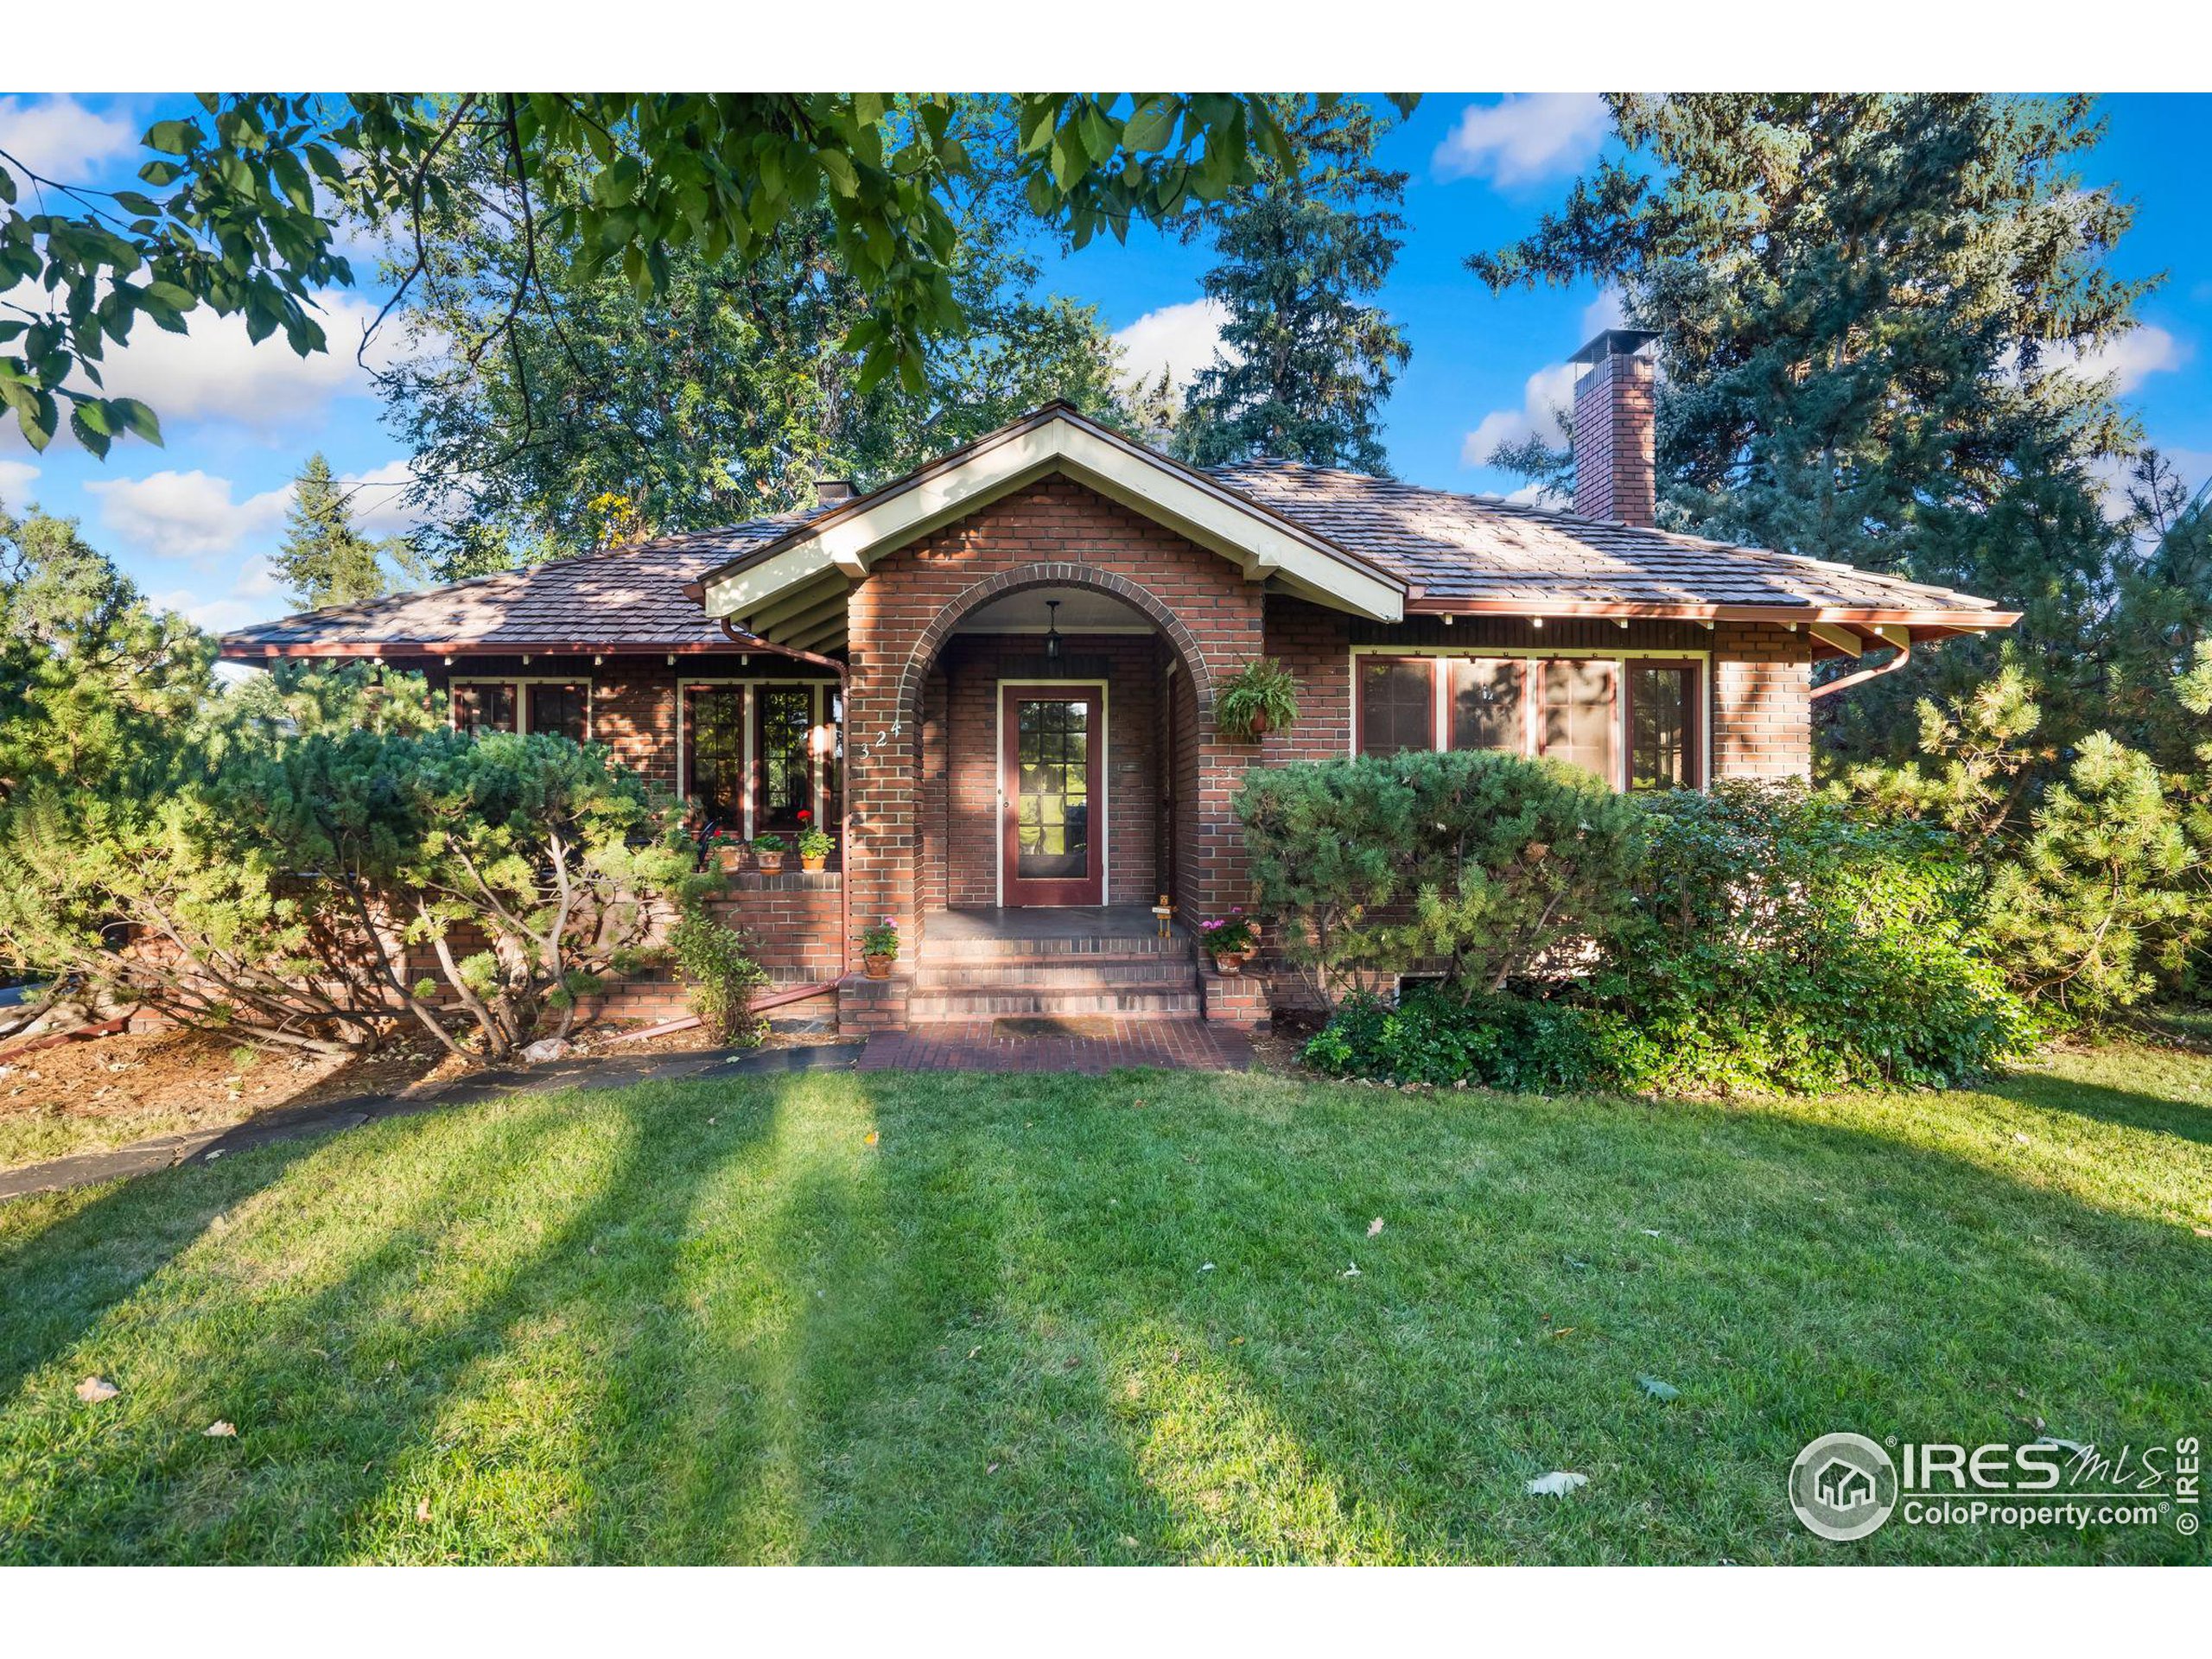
(1903, 656)
(748, 642)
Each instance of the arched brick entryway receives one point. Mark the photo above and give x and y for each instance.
(1201, 615)
(1008, 582)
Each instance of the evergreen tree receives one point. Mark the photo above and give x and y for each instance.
(1875, 313)
(90, 674)
(1305, 361)
(325, 559)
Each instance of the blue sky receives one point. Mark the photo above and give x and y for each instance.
(194, 522)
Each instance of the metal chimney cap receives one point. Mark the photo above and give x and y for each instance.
(1615, 342)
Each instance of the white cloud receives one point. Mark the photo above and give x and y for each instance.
(379, 508)
(1523, 138)
(1548, 392)
(1608, 311)
(256, 597)
(2131, 358)
(1181, 339)
(59, 138)
(15, 478)
(186, 515)
(215, 372)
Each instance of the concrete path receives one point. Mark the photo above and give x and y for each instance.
(287, 1123)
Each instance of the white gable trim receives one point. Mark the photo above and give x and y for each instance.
(1262, 547)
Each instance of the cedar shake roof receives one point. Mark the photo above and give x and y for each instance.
(1479, 548)
(624, 599)
(1469, 552)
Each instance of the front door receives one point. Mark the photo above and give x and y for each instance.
(1051, 808)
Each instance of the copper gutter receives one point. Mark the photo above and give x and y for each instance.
(1844, 684)
(748, 642)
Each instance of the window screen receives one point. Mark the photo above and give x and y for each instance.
(1577, 721)
(1397, 704)
(1662, 738)
(1486, 705)
(483, 706)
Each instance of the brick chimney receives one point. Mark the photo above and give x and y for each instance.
(1616, 416)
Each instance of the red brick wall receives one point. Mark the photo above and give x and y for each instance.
(973, 665)
(1615, 413)
(1054, 532)
(1761, 701)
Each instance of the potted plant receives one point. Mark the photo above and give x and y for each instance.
(727, 848)
(768, 853)
(815, 844)
(879, 948)
(1229, 940)
(1259, 698)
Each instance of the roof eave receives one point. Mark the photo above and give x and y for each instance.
(234, 650)
(1964, 619)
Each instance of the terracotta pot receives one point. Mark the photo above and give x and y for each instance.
(731, 858)
(1229, 964)
(1259, 726)
(878, 967)
(769, 863)
(812, 860)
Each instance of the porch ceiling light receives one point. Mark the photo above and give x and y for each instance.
(1051, 636)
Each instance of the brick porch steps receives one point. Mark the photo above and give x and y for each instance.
(1122, 1002)
(1097, 962)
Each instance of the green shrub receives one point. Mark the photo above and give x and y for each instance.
(1481, 864)
(723, 975)
(1782, 943)
(1434, 1036)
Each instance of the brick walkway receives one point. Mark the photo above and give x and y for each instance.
(976, 1046)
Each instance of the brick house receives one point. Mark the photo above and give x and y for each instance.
(995, 679)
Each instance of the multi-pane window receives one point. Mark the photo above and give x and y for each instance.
(715, 755)
(784, 747)
(1487, 711)
(483, 706)
(1397, 704)
(1576, 723)
(1052, 754)
(1663, 750)
(562, 706)
(1635, 723)
(562, 710)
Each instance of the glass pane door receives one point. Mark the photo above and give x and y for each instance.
(1049, 782)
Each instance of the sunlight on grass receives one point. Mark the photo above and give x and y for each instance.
(1237, 1483)
(710, 1321)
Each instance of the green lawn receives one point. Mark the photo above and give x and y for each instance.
(710, 1322)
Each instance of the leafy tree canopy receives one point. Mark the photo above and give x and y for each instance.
(240, 203)
(89, 671)
(1873, 310)
(721, 395)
